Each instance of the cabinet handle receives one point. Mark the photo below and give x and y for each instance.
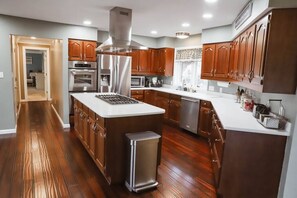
(94, 127)
(218, 140)
(211, 71)
(215, 71)
(214, 161)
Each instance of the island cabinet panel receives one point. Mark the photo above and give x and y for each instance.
(100, 143)
(116, 143)
(76, 115)
(205, 118)
(137, 94)
(251, 165)
(85, 127)
(92, 133)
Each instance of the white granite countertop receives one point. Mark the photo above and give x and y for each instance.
(232, 117)
(106, 110)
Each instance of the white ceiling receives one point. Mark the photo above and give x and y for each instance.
(164, 16)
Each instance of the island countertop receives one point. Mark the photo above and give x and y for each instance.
(106, 110)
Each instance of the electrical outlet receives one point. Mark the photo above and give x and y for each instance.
(211, 88)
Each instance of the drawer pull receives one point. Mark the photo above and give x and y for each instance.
(214, 161)
(218, 140)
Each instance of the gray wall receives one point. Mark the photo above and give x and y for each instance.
(217, 34)
(27, 27)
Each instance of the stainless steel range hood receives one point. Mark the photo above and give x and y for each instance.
(120, 30)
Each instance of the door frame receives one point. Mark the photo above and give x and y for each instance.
(46, 70)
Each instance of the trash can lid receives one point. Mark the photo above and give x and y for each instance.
(146, 135)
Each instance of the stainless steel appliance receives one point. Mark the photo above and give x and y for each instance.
(189, 114)
(137, 81)
(120, 30)
(114, 74)
(142, 160)
(82, 77)
(116, 99)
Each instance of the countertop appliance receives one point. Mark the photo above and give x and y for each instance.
(189, 114)
(116, 99)
(142, 160)
(114, 74)
(137, 81)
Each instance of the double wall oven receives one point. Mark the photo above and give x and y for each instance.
(82, 77)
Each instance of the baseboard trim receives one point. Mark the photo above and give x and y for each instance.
(65, 126)
(7, 131)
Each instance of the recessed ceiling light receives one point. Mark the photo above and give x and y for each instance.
(210, 1)
(207, 16)
(33, 37)
(154, 32)
(186, 24)
(87, 22)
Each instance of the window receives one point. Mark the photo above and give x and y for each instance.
(187, 68)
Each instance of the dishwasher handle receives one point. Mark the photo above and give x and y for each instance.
(190, 100)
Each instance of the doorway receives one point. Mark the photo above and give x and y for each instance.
(35, 74)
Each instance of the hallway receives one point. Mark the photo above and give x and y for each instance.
(42, 160)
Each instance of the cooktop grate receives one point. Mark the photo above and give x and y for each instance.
(116, 99)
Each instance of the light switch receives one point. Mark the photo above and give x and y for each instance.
(1, 75)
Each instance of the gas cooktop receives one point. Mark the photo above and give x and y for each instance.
(116, 99)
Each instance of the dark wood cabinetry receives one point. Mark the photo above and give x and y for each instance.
(140, 62)
(166, 61)
(79, 50)
(234, 54)
(137, 94)
(149, 97)
(248, 57)
(215, 61)
(205, 118)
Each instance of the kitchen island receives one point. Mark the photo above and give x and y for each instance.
(101, 127)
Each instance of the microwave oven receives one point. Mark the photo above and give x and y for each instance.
(137, 81)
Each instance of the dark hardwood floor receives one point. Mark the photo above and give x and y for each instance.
(44, 160)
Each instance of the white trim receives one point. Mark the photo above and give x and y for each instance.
(46, 71)
(65, 126)
(7, 131)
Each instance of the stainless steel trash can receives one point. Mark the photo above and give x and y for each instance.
(142, 160)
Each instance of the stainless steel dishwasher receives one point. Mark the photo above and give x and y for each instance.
(189, 114)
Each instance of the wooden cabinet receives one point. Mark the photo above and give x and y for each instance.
(241, 57)
(250, 35)
(100, 143)
(166, 61)
(215, 61)
(155, 61)
(85, 127)
(137, 94)
(149, 97)
(79, 50)
(234, 54)
(92, 133)
(171, 103)
(205, 118)
(261, 30)
(140, 62)
(174, 109)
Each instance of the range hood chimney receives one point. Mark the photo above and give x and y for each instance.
(120, 30)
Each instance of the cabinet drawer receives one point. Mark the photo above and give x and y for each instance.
(138, 97)
(162, 94)
(204, 103)
(100, 120)
(136, 92)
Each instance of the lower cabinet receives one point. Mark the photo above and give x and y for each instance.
(245, 164)
(149, 97)
(137, 94)
(100, 145)
(204, 125)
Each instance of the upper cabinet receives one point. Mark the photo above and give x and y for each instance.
(215, 61)
(79, 50)
(153, 62)
(262, 58)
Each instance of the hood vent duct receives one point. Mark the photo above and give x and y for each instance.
(120, 30)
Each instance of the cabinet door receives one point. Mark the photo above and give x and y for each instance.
(259, 52)
(166, 61)
(233, 71)
(89, 51)
(100, 147)
(135, 61)
(86, 130)
(149, 97)
(76, 118)
(92, 132)
(155, 61)
(250, 36)
(222, 57)
(163, 103)
(241, 56)
(75, 50)
(208, 60)
(204, 122)
(174, 111)
(144, 59)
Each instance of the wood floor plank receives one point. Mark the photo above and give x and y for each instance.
(45, 160)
